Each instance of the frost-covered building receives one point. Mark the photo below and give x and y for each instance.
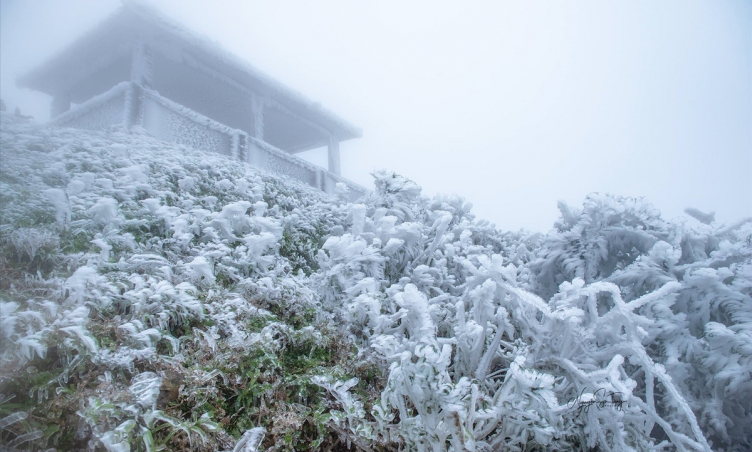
(142, 71)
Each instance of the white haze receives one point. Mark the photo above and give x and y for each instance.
(513, 105)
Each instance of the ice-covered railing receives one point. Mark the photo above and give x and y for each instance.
(128, 104)
(169, 121)
(100, 112)
(262, 154)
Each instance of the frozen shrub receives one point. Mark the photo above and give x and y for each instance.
(34, 247)
(189, 301)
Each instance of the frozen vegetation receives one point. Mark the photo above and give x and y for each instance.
(153, 297)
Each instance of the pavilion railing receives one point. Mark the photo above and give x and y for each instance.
(129, 105)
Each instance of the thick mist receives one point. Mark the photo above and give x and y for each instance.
(511, 105)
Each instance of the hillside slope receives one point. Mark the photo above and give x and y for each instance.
(132, 269)
(153, 297)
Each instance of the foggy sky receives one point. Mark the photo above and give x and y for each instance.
(512, 105)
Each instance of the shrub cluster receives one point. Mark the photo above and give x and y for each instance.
(153, 297)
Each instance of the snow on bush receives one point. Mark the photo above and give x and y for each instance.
(153, 296)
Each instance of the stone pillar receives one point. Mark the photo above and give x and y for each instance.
(142, 66)
(60, 104)
(333, 154)
(241, 147)
(320, 178)
(257, 106)
(235, 146)
(141, 78)
(255, 155)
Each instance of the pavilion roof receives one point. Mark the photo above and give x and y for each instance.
(134, 22)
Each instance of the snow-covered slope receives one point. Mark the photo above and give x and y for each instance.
(142, 283)
(155, 297)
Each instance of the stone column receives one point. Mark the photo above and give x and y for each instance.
(142, 66)
(60, 104)
(333, 154)
(257, 106)
(320, 179)
(141, 78)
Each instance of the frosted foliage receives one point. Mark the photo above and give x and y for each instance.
(250, 441)
(153, 296)
(104, 212)
(135, 249)
(30, 241)
(606, 234)
(168, 125)
(344, 189)
(200, 270)
(98, 117)
(476, 360)
(59, 199)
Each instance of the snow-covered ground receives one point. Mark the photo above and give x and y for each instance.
(153, 296)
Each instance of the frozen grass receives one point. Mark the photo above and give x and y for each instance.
(153, 297)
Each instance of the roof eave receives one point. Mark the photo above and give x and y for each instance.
(54, 75)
